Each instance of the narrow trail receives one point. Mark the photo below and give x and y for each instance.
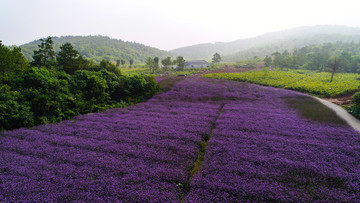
(185, 188)
(342, 113)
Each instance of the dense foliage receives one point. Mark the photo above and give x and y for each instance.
(100, 47)
(303, 81)
(31, 95)
(320, 57)
(258, 148)
(355, 108)
(12, 64)
(291, 44)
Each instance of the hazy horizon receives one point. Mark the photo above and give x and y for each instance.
(166, 24)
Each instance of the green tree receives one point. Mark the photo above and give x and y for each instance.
(286, 53)
(156, 63)
(69, 58)
(12, 63)
(13, 114)
(316, 61)
(166, 62)
(275, 54)
(283, 60)
(216, 58)
(117, 63)
(180, 62)
(338, 64)
(267, 61)
(334, 65)
(105, 64)
(150, 64)
(346, 60)
(45, 55)
(131, 62)
(122, 62)
(92, 86)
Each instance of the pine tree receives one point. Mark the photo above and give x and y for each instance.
(45, 55)
(68, 58)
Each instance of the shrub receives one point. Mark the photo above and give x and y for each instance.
(91, 85)
(12, 113)
(356, 98)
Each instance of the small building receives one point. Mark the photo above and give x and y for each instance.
(197, 64)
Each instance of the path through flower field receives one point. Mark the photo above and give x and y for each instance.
(204, 140)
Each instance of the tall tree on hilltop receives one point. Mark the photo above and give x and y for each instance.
(69, 58)
(45, 55)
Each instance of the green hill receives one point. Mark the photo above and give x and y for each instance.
(268, 43)
(100, 47)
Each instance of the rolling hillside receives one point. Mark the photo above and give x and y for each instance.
(268, 43)
(101, 47)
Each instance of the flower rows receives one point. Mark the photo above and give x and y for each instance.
(262, 150)
(136, 154)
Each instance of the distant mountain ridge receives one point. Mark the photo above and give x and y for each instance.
(101, 47)
(270, 42)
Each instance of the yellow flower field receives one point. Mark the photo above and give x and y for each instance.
(305, 81)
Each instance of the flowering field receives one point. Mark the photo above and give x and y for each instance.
(203, 140)
(313, 83)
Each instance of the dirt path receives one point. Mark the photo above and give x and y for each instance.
(351, 120)
(342, 100)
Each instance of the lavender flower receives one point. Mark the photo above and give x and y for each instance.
(260, 149)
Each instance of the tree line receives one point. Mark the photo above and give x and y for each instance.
(345, 57)
(98, 48)
(59, 85)
(168, 63)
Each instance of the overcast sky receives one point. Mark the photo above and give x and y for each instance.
(167, 24)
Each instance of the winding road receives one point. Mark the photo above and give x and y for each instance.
(351, 120)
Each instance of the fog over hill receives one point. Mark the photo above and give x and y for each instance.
(270, 42)
(101, 47)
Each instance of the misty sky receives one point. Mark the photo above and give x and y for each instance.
(167, 24)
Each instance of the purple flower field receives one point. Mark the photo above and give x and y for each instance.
(258, 149)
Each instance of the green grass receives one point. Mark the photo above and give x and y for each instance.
(134, 71)
(300, 80)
